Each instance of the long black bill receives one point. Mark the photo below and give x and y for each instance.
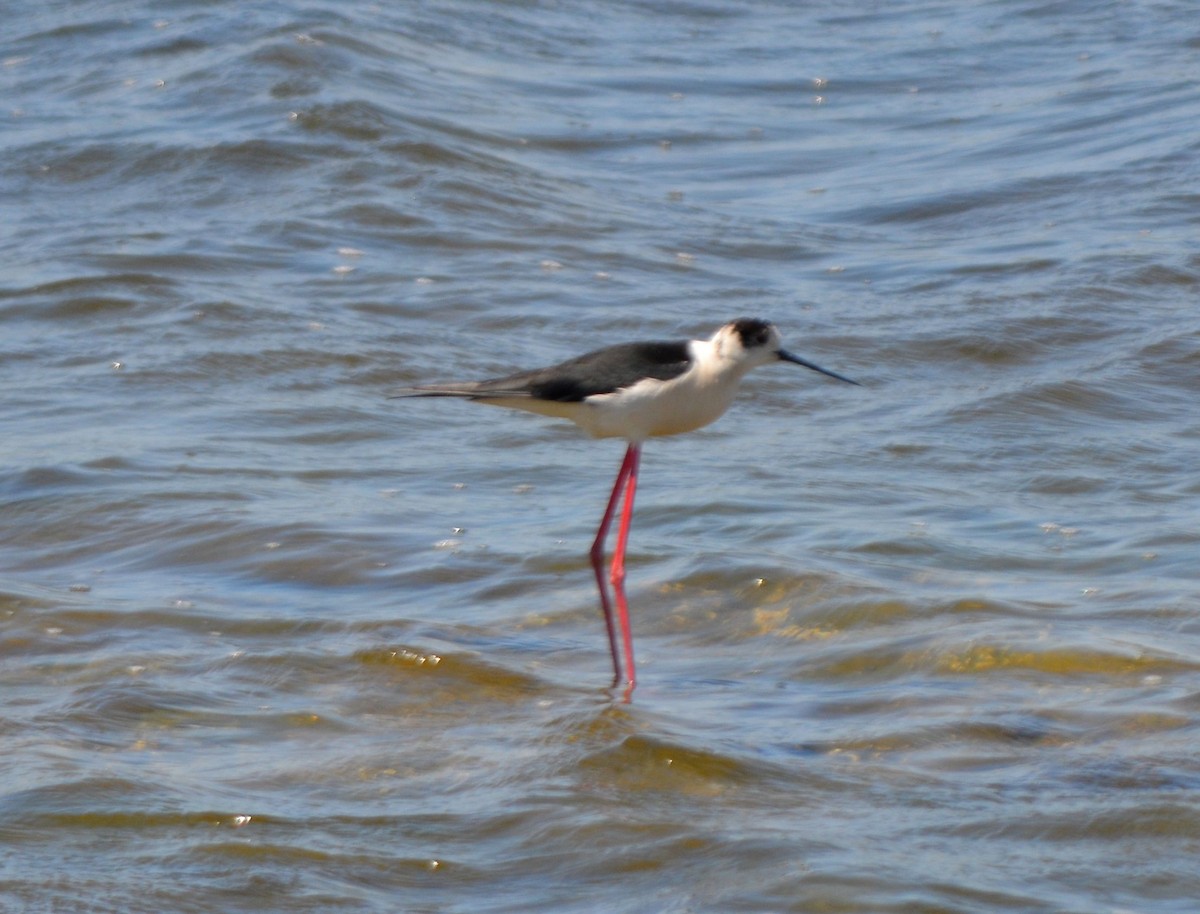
(795, 359)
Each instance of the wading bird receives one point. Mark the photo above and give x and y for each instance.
(633, 391)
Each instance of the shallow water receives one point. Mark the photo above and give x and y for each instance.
(274, 642)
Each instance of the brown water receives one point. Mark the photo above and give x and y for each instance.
(272, 642)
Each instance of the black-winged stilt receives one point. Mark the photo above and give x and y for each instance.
(633, 391)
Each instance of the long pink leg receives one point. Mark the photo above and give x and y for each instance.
(617, 572)
(627, 466)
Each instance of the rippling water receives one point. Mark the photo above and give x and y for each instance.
(273, 642)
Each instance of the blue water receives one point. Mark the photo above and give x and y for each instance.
(271, 641)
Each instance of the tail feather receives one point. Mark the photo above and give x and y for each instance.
(471, 390)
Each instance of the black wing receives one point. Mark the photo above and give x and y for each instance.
(599, 372)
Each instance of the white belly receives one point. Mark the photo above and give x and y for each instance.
(653, 408)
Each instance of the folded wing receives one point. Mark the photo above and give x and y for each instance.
(599, 372)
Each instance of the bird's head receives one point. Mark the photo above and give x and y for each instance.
(752, 342)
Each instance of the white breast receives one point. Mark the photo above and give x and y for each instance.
(652, 408)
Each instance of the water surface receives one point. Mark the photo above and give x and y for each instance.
(273, 642)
